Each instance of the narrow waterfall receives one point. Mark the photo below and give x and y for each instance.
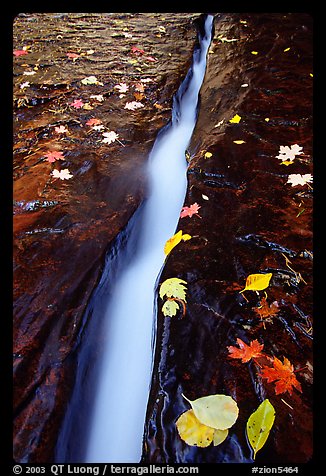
(121, 394)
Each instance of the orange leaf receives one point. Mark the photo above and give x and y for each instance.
(246, 352)
(264, 310)
(283, 374)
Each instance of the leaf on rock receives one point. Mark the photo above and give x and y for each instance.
(192, 431)
(174, 241)
(288, 153)
(133, 105)
(173, 288)
(91, 80)
(122, 87)
(189, 211)
(20, 52)
(170, 308)
(62, 174)
(235, 119)
(298, 179)
(259, 425)
(257, 282)
(245, 352)
(208, 155)
(265, 310)
(77, 104)
(109, 137)
(283, 376)
(239, 142)
(73, 56)
(93, 122)
(216, 411)
(61, 129)
(53, 155)
(219, 436)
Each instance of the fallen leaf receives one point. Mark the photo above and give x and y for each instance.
(93, 121)
(283, 376)
(286, 49)
(289, 153)
(265, 310)
(122, 87)
(61, 129)
(133, 105)
(208, 155)
(97, 97)
(235, 119)
(192, 431)
(173, 288)
(139, 87)
(174, 241)
(91, 80)
(110, 137)
(150, 58)
(239, 142)
(24, 85)
(78, 103)
(73, 56)
(205, 197)
(245, 352)
(257, 282)
(259, 425)
(254, 52)
(53, 155)
(219, 436)
(138, 96)
(137, 51)
(215, 411)
(298, 179)
(87, 106)
(189, 211)
(20, 52)
(62, 174)
(170, 308)
(29, 73)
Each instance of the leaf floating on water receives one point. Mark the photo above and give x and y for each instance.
(192, 431)
(174, 241)
(298, 179)
(170, 308)
(217, 411)
(283, 374)
(259, 425)
(257, 282)
(245, 352)
(173, 288)
(62, 174)
(289, 153)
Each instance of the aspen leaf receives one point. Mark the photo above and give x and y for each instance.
(192, 431)
(257, 282)
(219, 436)
(239, 141)
(208, 155)
(259, 425)
(173, 287)
(235, 119)
(170, 308)
(174, 241)
(217, 411)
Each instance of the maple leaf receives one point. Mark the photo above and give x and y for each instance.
(91, 80)
(109, 137)
(298, 179)
(138, 96)
(72, 56)
(283, 376)
(62, 174)
(93, 121)
(122, 87)
(137, 51)
(53, 155)
(20, 52)
(61, 129)
(264, 310)
(26, 84)
(139, 87)
(189, 211)
(78, 103)
(133, 105)
(246, 352)
(289, 153)
(98, 97)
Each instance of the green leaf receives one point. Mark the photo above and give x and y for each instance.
(173, 287)
(259, 425)
(170, 308)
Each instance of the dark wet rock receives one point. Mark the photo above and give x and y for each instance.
(62, 229)
(253, 221)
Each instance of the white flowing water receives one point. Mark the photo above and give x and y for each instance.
(117, 424)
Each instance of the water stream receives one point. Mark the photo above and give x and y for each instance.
(121, 395)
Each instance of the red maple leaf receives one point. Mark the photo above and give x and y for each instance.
(137, 51)
(283, 376)
(246, 352)
(53, 155)
(77, 103)
(93, 122)
(189, 211)
(72, 56)
(20, 52)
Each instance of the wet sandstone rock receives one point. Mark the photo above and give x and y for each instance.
(62, 229)
(251, 221)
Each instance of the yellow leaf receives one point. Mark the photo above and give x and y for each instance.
(217, 411)
(235, 119)
(219, 436)
(208, 155)
(192, 431)
(239, 141)
(267, 119)
(170, 308)
(286, 162)
(254, 52)
(259, 425)
(173, 287)
(257, 282)
(174, 241)
(286, 49)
